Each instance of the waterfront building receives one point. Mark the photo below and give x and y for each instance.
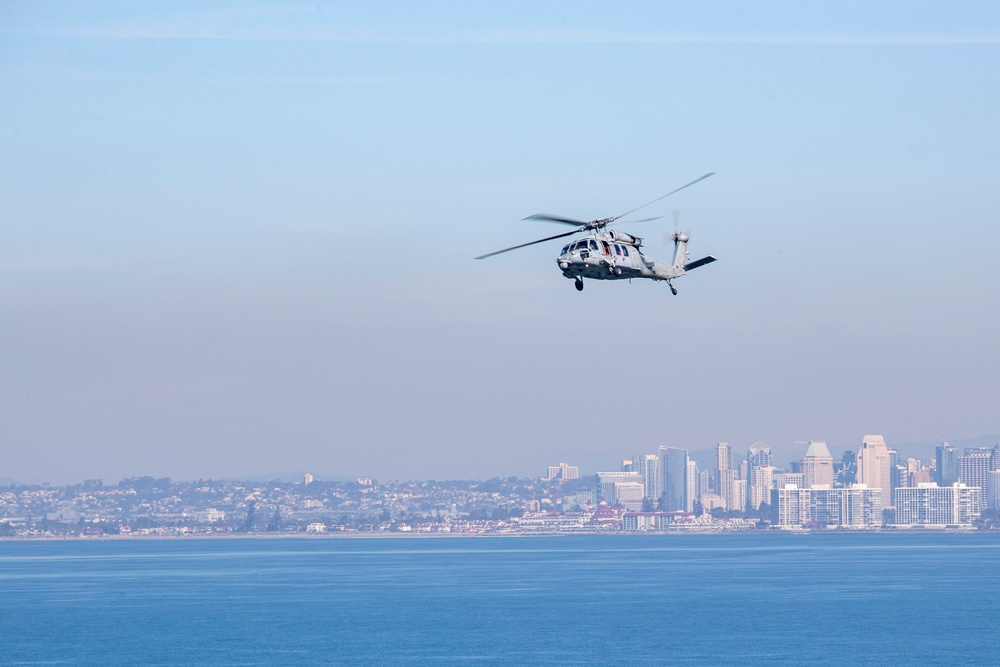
(653, 520)
(674, 463)
(874, 468)
(855, 507)
(817, 465)
(933, 505)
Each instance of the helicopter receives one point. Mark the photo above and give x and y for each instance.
(609, 254)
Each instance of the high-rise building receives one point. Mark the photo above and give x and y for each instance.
(759, 486)
(946, 459)
(874, 465)
(728, 489)
(974, 467)
(854, 507)
(738, 497)
(648, 467)
(629, 495)
(817, 465)
(693, 484)
(724, 456)
(993, 491)
(933, 505)
(674, 463)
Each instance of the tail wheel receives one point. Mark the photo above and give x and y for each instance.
(579, 285)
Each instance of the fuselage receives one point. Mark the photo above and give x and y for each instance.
(612, 255)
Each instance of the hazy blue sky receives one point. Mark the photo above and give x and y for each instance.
(238, 237)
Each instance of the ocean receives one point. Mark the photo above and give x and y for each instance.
(760, 599)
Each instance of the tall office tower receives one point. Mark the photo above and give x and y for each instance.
(693, 484)
(648, 466)
(993, 490)
(723, 456)
(848, 469)
(817, 465)
(723, 461)
(674, 463)
(704, 483)
(873, 466)
(996, 457)
(946, 459)
(759, 486)
(759, 454)
(627, 465)
(744, 470)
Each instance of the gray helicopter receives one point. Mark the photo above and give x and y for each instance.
(608, 254)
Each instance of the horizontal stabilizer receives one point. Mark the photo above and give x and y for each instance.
(699, 262)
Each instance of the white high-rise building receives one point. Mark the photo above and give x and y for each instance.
(564, 471)
(933, 505)
(817, 465)
(874, 465)
(759, 486)
(629, 495)
(854, 507)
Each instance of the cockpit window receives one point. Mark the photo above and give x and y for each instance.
(564, 250)
(593, 245)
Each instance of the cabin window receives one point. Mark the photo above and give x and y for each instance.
(606, 247)
(618, 249)
(593, 245)
(625, 250)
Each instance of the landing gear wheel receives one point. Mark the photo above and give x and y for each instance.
(673, 290)
(579, 285)
(617, 271)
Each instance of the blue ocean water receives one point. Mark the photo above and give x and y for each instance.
(821, 599)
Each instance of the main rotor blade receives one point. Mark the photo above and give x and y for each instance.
(711, 173)
(545, 217)
(630, 222)
(524, 245)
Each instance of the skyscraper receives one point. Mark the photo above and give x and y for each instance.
(758, 479)
(946, 460)
(693, 484)
(873, 465)
(648, 466)
(817, 465)
(674, 463)
(974, 468)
